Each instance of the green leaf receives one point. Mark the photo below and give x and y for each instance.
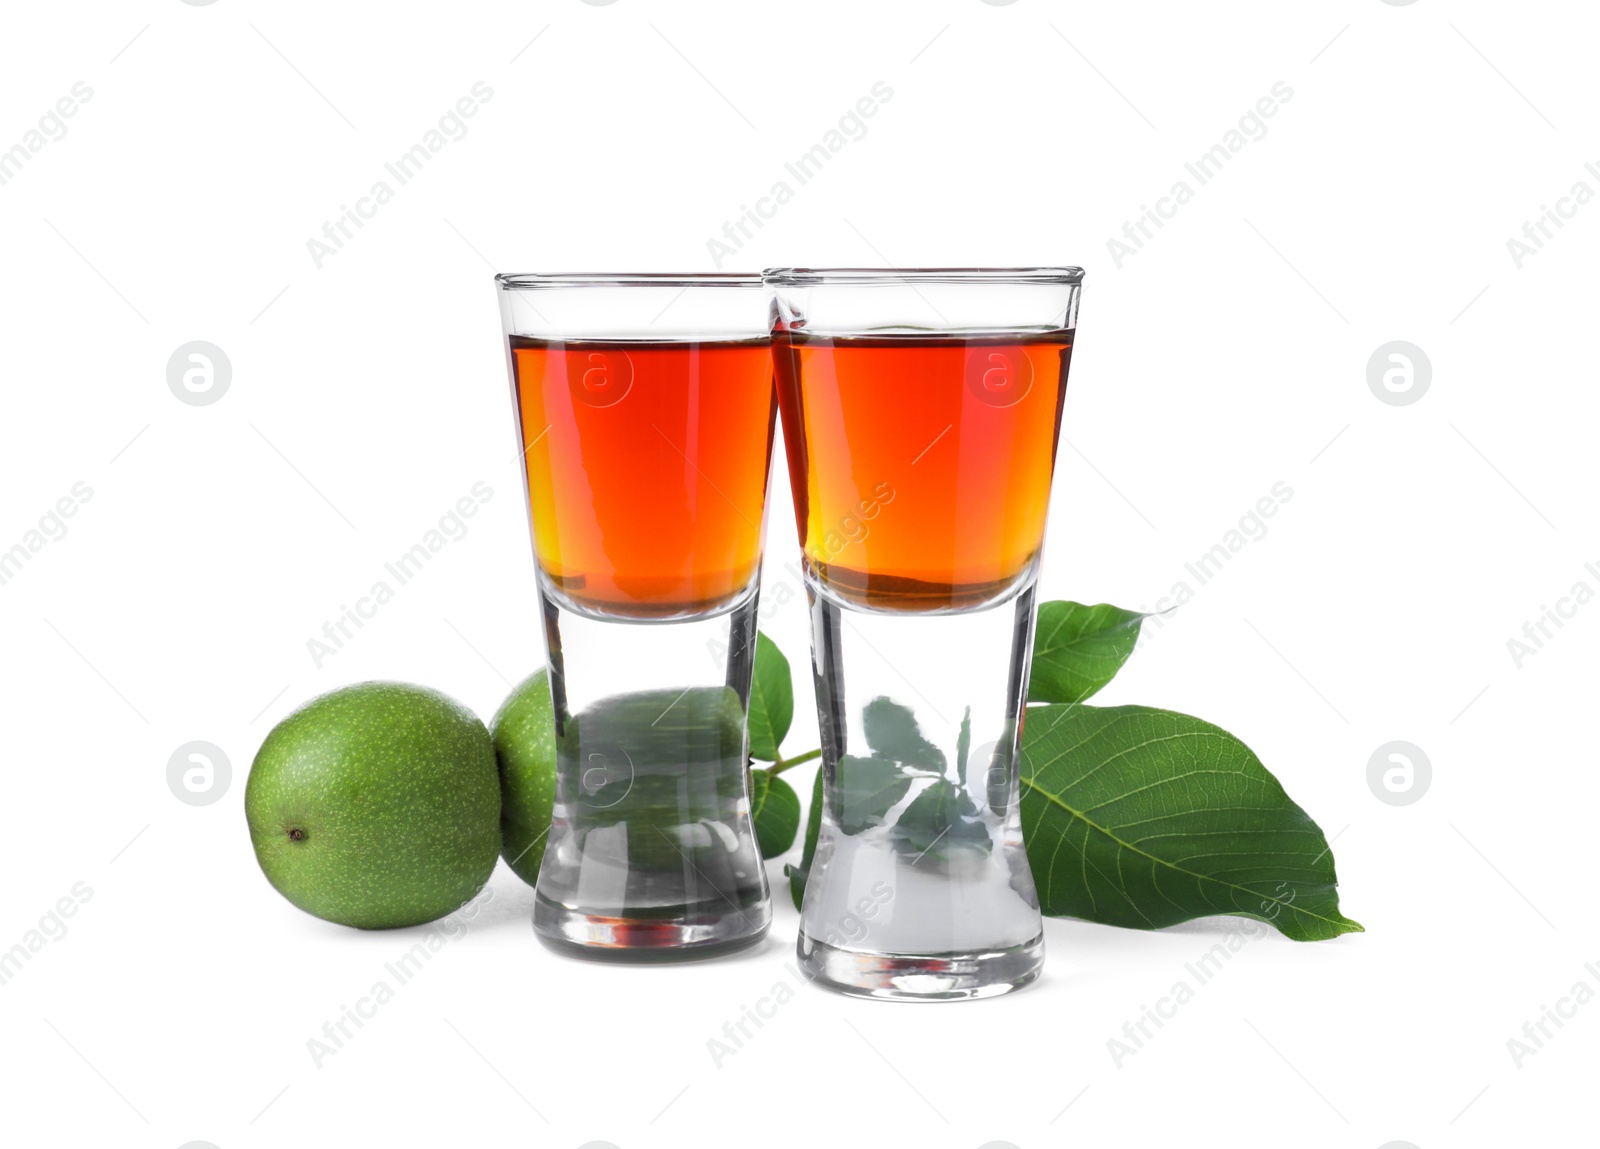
(775, 808)
(866, 789)
(797, 874)
(1140, 817)
(1077, 649)
(771, 700)
(942, 819)
(892, 732)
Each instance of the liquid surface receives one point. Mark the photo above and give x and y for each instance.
(921, 466)
(647, 469)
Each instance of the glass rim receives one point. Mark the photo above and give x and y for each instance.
(509, 281)
(813, 276)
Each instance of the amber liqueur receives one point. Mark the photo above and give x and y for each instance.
(923, 477)
(647, 467)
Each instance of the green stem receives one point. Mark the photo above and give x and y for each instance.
(783, 764)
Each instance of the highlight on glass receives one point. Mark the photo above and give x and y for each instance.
(645, 409)
(921, 411)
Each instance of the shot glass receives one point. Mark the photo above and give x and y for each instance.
(921, 411)
(645, 406)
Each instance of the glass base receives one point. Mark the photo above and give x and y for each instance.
(651, 854)
(923, 977)
(682, 937)
(920, 887)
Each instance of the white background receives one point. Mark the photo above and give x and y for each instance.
(369, 395)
